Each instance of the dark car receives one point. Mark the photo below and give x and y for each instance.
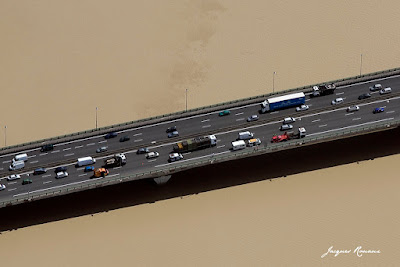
(110, 135)
(171, 129)
(39, 171)
(60, 169)
(224, 113)
(124, 138)
(378, 110)
(89, 169)
(27, 181)
(142, 150)
(173, 134)
(47, 147)
(364, 96)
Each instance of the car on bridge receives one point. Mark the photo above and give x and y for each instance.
(171, 129)
(378, 110)
(142, 150)
(152, 155)
(60, 169)
(13, 177)
(60, 175)
(286, 127)
(224, 113)
(337, 101)
(47, 147)
(175, 157)
(364, 96)
(386, 90)
(254, 142)
(89, 169)
(110, 135)
(124, 138)
(375, 87)
(353, 108)
(26, 181)
(101, 149)
(173, 134)
(39, 171)
(302, 108)
(252, 118)
(288, 120)
(2, 187)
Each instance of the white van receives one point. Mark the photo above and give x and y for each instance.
(288, 120)
(85, 161)
(23, 157)
(386, 90)
(17, 165)
(245, 135)
(236, 145)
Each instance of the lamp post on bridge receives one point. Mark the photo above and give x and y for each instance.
(273, 82)
(186, 98)
(96, 118)
(361, 65)
(5, 135)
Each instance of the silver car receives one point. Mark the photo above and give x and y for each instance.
(353, 108)
(375, 87)
(252, 118)
(302, 108)
(337, 101)
(286, 127)
(152, 155)
(13, 177)
(101, 149)
(174, 157)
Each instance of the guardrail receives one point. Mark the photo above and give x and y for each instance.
(212, 159)
(182, 114)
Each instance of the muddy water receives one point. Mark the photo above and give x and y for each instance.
(61, 60)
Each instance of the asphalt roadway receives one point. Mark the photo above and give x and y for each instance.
(321, 118)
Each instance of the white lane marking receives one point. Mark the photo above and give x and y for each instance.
(1, 169)
(220, 146)
(138, 140)
(91, 144)
(70, 154)
(100, 142)
(137, 134)
(47, 182)
(390, 112)
(374, 92)
(82, 174)
(79, 169)
(351, 126)
(206, 126)
(78, 146)
(316, 120)
(309, 105)
(356, 119)
(151, 160)
(35, 161)
(323, 125)
(47, 175)
(213, 154)
(205, 120)
(65, 149)
(7, 161)
(31, 156)
(43, 154)
(12, 182)
(116, 168)
(340, 93)
(240, 113)
(113, 175)
(370, 81)
(308, 99)
(55, 151)
(274, 112)
(242, 119)
(347, 114)
(12, 189)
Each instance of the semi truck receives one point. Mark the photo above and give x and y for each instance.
(325, 89)
(195, 144)
(281, 102)
(289, 135)
(116, 161)
(100, 172)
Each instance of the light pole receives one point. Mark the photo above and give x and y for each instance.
(186, 98)
(273, 82)
(361, 65)
(5, 135)
(96, 118)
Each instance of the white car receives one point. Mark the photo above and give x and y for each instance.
(353, 108)
(152, 155)
(60, 175)
(375, 87)
(2, 187)
(254, 142)
(302, 108)
(13, 177)
(337, 101)
(174, 157)
(286, 127)
(386, 90)
(288, 120)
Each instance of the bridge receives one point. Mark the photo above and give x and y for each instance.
(324, 122)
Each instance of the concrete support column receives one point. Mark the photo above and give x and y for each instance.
(162, 180)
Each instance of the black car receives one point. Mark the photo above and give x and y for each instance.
(60, 169)
(110, 135)
(124, 138)
(47, 147)
(173, 134)
(171, 129)
(363, 96)
(142, 150)
(39, 171)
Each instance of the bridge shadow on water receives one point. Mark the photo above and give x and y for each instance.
(203, 179)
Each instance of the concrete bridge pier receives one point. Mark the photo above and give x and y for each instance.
(162, 180)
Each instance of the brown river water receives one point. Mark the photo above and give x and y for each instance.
(59, 60)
